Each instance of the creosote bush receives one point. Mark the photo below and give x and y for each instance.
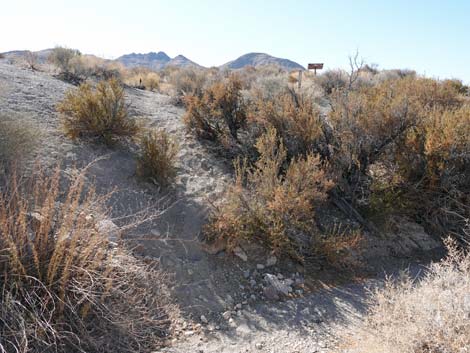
(272, 201)
(157, 157)
(421, 316)
(65, 287)
(100, 114)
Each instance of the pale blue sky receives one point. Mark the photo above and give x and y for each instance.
(432, 37)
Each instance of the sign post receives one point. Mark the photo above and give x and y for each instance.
(315, 67)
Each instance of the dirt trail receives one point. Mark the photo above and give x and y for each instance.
(220, 296)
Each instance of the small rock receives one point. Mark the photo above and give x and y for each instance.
(280, 276)
(270, 293)
(108, 228)
(246, 273)
(204, 319)
(227, 315)
(238, 251)
(252, 282)
(238, 306)
(277, 285)
(288, 282)
(259, 345)
(260, 266)
(271, 261)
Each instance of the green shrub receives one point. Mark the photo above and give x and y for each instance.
(157, 157)
(100, 114)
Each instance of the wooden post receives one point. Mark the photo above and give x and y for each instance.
(299, 81)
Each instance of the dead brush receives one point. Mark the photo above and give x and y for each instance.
(420, 316)
(65, 288)
(157, 157)
(100, 114)
(272, 202)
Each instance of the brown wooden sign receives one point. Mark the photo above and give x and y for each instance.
(315, 66)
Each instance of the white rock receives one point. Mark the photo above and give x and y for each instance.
(238, 251)
(204, 319)
(260, 266)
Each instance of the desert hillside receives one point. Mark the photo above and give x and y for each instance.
(173, 208)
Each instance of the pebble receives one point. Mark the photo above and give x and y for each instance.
(204, 319)
(260, 266)
(227, 315)
(271, 261)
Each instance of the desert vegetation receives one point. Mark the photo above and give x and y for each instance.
(273, 206)
(419, 316)
(157, 156)
(65, 287)
(99, 114)
(18, 131)
(390, 142)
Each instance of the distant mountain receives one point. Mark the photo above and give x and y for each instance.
(155, 61)
(182, 61)
(261, 59)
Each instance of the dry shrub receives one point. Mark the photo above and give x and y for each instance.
(426, 316)
(100, 114)
(295, 118)
(32, 60)
(332, 80)
(270, 204)
(371, 122)
(18, 139)
(187, 81)
(62, 58)
(218, 113)
(157, 157)
(65, 287)
(142, 78)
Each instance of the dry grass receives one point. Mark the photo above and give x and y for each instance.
(270, 204)
(18, 139)
(99, 114)
(157, 157)
(430, 315)
(65, 288)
